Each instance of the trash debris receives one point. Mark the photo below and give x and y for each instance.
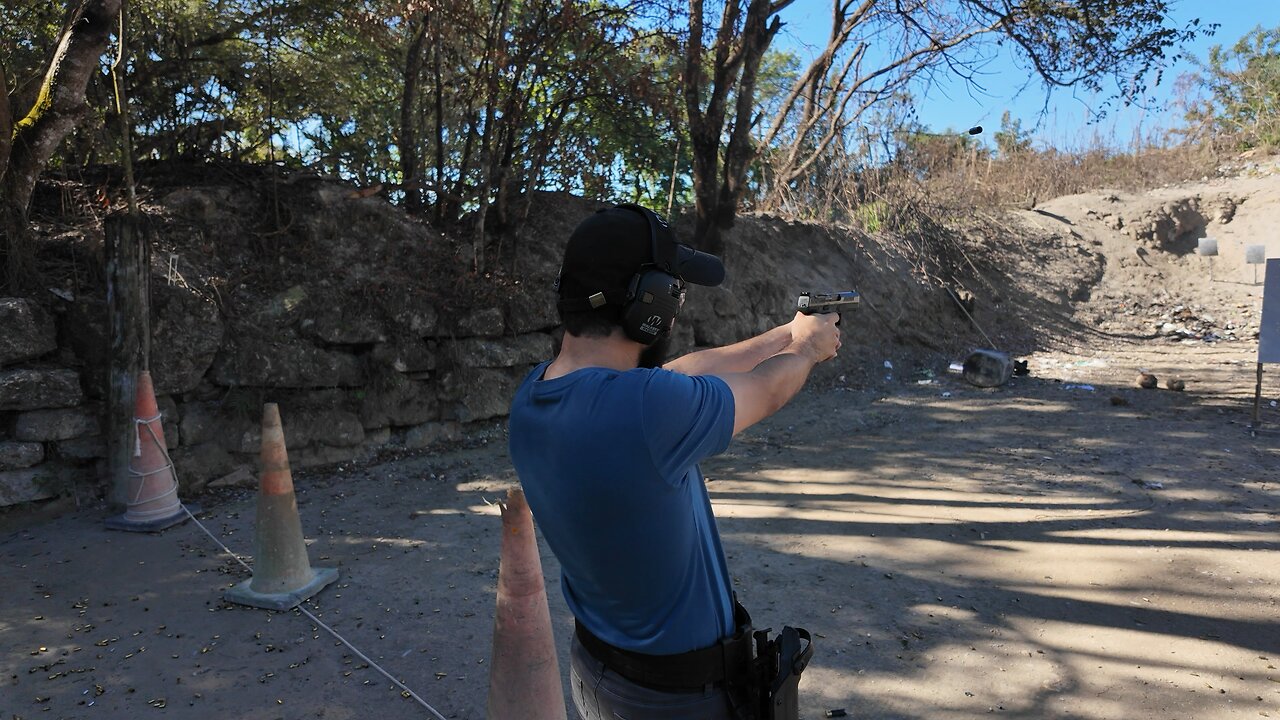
(1175, 384)
(946, 394)
(1149, 484)
(1077, 386)
(1020, 368)
(838, 712)
(888, 364)
(955, 368)
(1147, 381)
(987, 368)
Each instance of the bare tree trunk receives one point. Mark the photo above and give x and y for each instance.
(408, 140)
(11, 226)
(734, 69)
(489, 136)
(59, 107)
(6, 125)
(439, 92)
(128, 326)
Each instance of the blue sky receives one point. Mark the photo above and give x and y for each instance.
(1060, 118)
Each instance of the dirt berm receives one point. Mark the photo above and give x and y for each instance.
(1066, 546)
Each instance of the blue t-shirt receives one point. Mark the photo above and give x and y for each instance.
(608, 462)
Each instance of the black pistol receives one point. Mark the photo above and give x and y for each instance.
(829, 302)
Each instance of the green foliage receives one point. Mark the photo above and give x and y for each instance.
(870, 216)
(1011, 139)
(1243, 87)
(462, 109)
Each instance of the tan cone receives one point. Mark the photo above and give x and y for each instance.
(524, 676)
(282, 574)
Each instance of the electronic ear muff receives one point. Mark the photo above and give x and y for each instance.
(655, 294)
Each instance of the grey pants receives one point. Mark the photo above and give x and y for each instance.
(601, 694)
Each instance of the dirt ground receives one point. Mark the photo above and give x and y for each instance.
(1067, 546)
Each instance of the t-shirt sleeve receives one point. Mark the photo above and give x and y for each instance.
(685, 419)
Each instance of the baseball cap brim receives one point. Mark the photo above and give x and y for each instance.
(697, 267)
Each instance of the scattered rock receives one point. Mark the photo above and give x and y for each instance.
(240, 477)
(1118, 401)
(1147, 381)
(1175, 384)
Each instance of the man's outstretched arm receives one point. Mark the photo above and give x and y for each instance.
(736, 358)
(770, 385)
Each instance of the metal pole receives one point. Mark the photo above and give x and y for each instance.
(1257, 400)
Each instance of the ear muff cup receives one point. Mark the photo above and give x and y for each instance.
(653, 301)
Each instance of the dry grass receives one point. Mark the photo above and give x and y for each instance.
(944, 177)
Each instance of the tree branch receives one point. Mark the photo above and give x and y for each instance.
(60, 104)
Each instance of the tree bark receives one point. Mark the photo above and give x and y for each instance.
(128, 325)
(734, 70)
(6, 125)
(488, 138)
(408, 140)
(59, 107)
(439, 103)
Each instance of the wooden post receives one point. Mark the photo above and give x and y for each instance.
(127, 253)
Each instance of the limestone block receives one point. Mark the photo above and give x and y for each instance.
(501, 352)
(477, 394)
(21, 486)
(26, 331)
(35, 389)
(482, 322)
(284, 364)
(61, 424)
(20, 455)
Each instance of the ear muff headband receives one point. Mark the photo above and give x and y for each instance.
(655, 293)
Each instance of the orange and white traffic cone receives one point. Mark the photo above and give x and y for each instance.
(282, 575)
(524, 676)
(152, 504)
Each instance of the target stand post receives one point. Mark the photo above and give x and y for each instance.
(1268, 335)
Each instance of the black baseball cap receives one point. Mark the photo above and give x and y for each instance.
(609, 247)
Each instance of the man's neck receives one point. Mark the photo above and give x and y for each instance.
(615, 352)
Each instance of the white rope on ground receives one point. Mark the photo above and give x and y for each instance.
(321, 623)
(403, 688)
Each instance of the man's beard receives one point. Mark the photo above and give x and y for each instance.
(655, 355)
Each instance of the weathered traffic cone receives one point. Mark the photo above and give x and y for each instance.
(152, 504)
(282, 575)
(524, 675)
